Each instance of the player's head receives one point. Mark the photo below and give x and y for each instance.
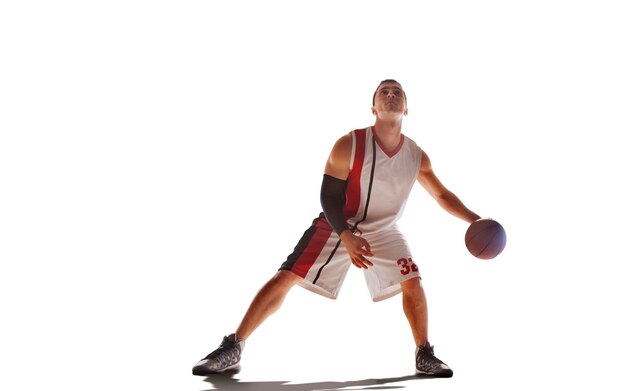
(389, 97)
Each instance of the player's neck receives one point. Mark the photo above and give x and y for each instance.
(389, 133)
(388, 126)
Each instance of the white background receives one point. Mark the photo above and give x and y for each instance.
(159, 160)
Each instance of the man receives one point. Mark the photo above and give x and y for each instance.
(367, 180)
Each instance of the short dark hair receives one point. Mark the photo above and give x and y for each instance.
(387, 81)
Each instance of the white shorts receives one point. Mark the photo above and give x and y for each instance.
(322, 261)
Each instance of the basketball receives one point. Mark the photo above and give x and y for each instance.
(485, 238)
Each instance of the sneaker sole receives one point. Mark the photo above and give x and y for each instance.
(442, 374)
(200, 371)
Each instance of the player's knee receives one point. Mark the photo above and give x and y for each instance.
(285, 279)
(412, 288)
(412, 284)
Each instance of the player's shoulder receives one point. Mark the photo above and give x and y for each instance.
(408, 139)
(343, 146)
(411, 143)
(344, 141)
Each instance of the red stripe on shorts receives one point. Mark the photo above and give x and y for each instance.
(313, 249)
(353, 188)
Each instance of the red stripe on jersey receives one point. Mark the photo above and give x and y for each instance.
(313, 249)
(353, 188)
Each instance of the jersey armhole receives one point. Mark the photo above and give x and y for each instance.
(419, 161)
(353, 151)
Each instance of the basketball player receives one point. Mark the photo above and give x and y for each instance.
(367, 180)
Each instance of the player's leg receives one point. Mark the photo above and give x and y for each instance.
(266, 302)
(395, 272)
(316, 261)
(416, 311)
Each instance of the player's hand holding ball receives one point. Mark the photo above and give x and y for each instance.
(485, 238)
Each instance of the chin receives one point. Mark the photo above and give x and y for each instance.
(394, 111)
(391, 115)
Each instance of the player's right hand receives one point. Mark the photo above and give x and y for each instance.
(358, 248)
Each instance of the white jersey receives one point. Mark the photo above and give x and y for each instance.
(379, 183)
(377, 189)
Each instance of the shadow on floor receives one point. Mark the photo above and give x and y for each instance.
(226, 381)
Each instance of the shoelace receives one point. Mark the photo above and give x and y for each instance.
(427, 357)
(226, 344)
(429, 349)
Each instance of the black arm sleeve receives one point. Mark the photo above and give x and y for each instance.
(333, 198)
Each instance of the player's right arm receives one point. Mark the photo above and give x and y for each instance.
(338, 163)
(333, 201)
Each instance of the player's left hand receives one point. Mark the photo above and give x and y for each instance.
(358, 248)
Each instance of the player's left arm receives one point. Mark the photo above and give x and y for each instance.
(444, 197)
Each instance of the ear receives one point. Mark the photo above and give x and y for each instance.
(406, 111)
(374, 111)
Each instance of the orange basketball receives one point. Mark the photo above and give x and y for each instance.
(485, 238)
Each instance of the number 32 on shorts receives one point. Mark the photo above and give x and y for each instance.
(407, 266)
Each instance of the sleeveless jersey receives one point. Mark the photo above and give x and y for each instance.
(379, 183)
(377, 189)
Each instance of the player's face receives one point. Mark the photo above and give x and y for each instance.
(389, 99)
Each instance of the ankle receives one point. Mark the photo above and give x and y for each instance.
(422, 343)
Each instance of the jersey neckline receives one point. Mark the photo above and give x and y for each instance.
(380, 144)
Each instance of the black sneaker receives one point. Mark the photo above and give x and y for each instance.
(427, 364)
(225, 357)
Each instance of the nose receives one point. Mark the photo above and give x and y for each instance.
(391, 94)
